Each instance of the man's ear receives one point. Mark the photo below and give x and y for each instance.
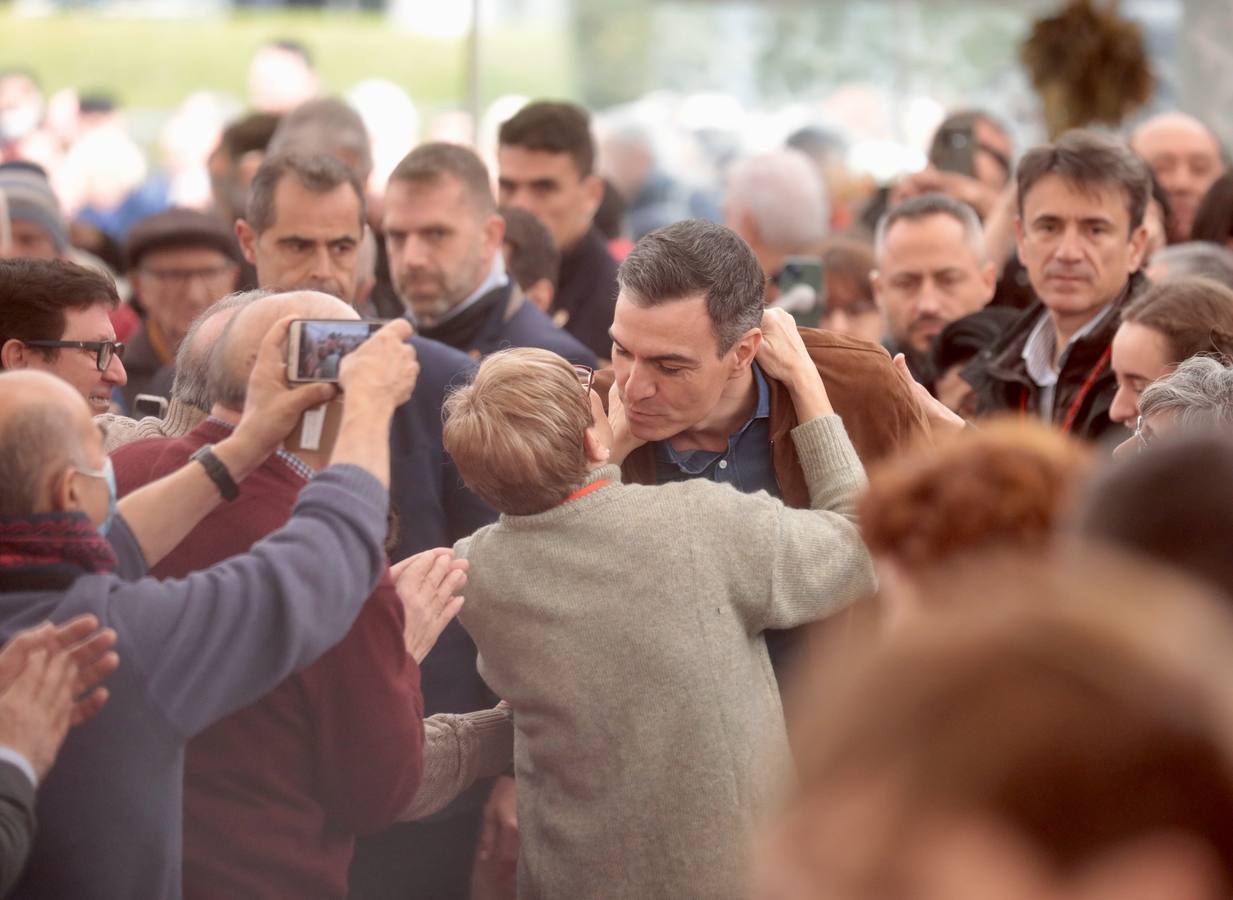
(745, 350)
(1019, 237)
(62, 494)
(989, 278)
(875, 282)
(493, 235)
(13, 354)
(593, 187)
(597, 451)
(247, 237)
(1138, 248)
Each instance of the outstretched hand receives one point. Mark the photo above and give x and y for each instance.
(89, 647)
(428, 585)
(941, 419)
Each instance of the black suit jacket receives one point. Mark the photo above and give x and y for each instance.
(16, 824)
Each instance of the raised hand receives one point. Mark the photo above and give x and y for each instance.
(428, 584)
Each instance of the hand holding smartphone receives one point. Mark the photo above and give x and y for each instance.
(316, 347)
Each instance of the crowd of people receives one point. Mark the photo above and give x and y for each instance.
(754, 557)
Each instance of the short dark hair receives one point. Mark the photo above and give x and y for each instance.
(248, 133)
(1089, 160)
(35, 293)
(291, 45)
(927, 206)
(319, 174)
(533, 254)
(699, 257)
(552, 127)
(430, 162)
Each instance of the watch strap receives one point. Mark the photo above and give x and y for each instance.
(217, 471)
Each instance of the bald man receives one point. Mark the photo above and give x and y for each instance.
(189, 402)
(197, 649)
(1186, 158)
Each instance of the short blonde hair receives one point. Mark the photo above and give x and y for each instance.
(516, 432)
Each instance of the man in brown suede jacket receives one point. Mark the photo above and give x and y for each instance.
(689, 322)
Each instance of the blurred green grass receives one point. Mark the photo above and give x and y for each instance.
(156, 63)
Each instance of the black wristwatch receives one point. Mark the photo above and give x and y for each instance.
(217, 471)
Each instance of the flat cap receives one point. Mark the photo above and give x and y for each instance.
(180, 227)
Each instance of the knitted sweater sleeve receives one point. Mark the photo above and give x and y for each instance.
(459, 750)
(812, 562)
(213, 642)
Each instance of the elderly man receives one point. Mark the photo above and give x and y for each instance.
(931, 270)
(443, 235)
(546, 163)
(54, 318)
(188, 403)
(1186, 158)
(671, 789)
(306, 218)
(197, 649)
(180, 261)
(1081, 238)
(776, 202)
(270, 811)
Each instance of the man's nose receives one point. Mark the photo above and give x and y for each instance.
(115, 372)
(1070, 246)
(639, 385)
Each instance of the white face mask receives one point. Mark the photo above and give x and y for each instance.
(108, 474)
(18, 122)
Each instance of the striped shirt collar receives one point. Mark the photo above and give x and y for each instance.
(1041, 343)
(293, 462)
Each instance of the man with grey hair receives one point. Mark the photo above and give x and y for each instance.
(1200, 258)
(325, 126)
(190, 399)
(930, 269)
(361, 768)
(777, 203)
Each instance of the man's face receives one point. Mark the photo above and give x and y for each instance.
(549, 186)
(312, 244)
(176, 285)
(928, 276)
(440, 246)
(1186, 160)
(1076, 244)
(79, 367)
(668, 370)
(31, 239)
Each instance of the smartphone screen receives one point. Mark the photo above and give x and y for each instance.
(317, 347)
(801, 289)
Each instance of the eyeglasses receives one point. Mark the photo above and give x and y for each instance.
(181, 277)
(103, 350)
(586, 377)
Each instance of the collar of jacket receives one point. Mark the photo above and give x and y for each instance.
(1007, 363)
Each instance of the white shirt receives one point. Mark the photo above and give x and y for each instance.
(1038, 355)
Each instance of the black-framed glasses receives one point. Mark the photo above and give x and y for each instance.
(103, 350)
(181, 277)
(586, 377)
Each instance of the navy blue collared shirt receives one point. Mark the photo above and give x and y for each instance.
(745, 464)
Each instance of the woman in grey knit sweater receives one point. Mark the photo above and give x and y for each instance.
(624, 625)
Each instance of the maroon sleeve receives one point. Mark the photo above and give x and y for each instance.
(369, 719)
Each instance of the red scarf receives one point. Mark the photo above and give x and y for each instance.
(50, 550)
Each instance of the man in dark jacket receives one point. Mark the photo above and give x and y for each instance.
(1081, 237)
(546, 159)
(444, 234)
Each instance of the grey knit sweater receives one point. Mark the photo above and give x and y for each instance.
(625, 629)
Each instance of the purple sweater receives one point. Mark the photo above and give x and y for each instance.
(192, 651)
